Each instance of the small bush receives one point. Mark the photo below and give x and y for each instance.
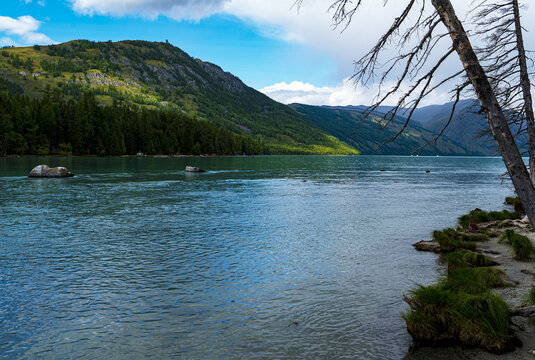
(522, 246)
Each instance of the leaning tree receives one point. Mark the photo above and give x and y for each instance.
(418, 35)
(506, 64)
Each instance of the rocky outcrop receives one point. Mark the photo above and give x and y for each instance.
(43, 171)
(431, 246)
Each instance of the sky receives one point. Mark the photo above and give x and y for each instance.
(291, 54)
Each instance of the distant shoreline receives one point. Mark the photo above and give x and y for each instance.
(224, 156)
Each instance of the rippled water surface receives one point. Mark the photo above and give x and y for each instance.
(294, 257)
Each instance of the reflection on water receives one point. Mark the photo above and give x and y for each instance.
(264, 257)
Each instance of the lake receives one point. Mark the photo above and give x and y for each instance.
(294, 257)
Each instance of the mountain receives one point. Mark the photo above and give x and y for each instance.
(370, 134)
(467, 131)
(467, 126)
(155, 75)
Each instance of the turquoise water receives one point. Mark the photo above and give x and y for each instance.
(294, 257)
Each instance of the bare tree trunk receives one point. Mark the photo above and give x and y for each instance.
(487, 98)
(526, 90)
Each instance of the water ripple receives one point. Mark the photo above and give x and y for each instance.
(265, 257)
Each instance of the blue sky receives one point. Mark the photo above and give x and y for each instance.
(238, 46)
(290, 55)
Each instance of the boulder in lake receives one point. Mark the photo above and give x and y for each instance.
(194, 169)
(43, 171)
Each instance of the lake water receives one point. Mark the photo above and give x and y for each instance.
(294, 257)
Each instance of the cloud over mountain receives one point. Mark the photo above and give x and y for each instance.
(174, 9)
(25, 27)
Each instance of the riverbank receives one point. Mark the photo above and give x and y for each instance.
(519, 278)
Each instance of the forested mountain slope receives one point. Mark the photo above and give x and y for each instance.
(159, 76)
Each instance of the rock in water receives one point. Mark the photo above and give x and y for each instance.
(43, 171)
(194, 169)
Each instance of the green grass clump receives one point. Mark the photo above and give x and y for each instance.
(530, 298)
(473, 280)
(515, 201)
(521, 245)
(465, 258)
(489, 233)
(483, 216)
(439, 315)
(451, 240)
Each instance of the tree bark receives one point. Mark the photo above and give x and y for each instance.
(487, 98)
(526, 90)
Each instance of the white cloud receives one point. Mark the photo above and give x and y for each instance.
(25, 27)
(344, 93)
(310, 25)
(6, 41)
(174, 9)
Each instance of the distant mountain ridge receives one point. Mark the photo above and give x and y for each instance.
(370, 135)
(466, 134)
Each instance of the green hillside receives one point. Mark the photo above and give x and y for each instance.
(371, 134)
(159, 76)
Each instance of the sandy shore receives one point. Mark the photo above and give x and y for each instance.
(520, 272)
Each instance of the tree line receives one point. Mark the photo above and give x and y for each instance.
(55, 126)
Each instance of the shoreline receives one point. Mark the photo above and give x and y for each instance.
(521, 273)
(258, 155)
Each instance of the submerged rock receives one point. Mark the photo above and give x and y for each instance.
(194, 169)
(43, 171)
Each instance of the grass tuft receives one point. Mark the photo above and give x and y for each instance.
(530, 298)
(452, 240)
(466, 258)
(441, 315)
(473, 280)
(521, 245)
(483, 216)
(515, 201)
